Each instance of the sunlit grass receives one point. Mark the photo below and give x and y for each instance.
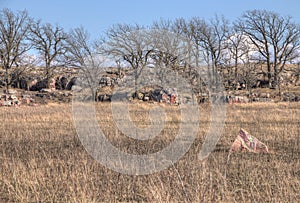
(42, 159)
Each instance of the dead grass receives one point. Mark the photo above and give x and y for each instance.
(42, 159)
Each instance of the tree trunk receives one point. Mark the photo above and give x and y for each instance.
(269, 74)
(48, 75)
(236, 65)
(135, 82)
(6, 78)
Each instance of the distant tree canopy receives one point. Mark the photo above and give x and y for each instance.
(230, 49)
(49, 41)
(276, 39)
(13, 45)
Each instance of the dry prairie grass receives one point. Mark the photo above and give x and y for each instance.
(42, 159)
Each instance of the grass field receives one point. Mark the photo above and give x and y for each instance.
(43, 160)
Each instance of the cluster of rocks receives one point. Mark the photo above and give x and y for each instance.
(14, 98)
(111, 78)
(158, 94)
(253, 97)
(149, 88)
(290, 97)
(266, 97)
(31, 88)
(58, 83)
(107, 83)
(33, 78)
(48, 95)
(9, 100)
(35, 89)
(262, 97)
(146, 94)
(234, 97)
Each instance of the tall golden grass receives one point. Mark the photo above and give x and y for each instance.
(42, 159)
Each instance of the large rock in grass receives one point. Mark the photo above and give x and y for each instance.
(245, 142)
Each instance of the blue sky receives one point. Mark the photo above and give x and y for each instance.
(97, 16)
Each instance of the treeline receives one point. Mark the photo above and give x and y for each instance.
(233, 51)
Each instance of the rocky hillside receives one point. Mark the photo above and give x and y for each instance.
(31, 88)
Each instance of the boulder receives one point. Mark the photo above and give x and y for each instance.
(52, 84)
(245, 142)
(2, 83)
(7, 103)
(64, 82)
(71, 83)
(12, 91)
(140, 95)
(146, 98)
(39, 86)
(264, 95)
(46, 90)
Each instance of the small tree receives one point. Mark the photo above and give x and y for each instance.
(13, 45)
(212, 39)
(131, 44)
(238, 49)
(80, 50)
(276, 38)
(81, 53)
(49, 41)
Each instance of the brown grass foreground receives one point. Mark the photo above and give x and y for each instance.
(42, 159)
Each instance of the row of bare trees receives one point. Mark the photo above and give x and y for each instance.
(234, 50)
(217, 47)
(50, 46)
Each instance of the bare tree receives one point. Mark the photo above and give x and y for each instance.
(13, 45)
(170, 52)
(188, 30)
(49, 41)
(195, 26)
(130, 44)
(170, 43)
(238, 48)
(81, 53)
(294, 76)
(205, 44)
(163, 24)
(248, 68)
(80, 49)
(275, 37)
(211, 37)
(19, 75)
